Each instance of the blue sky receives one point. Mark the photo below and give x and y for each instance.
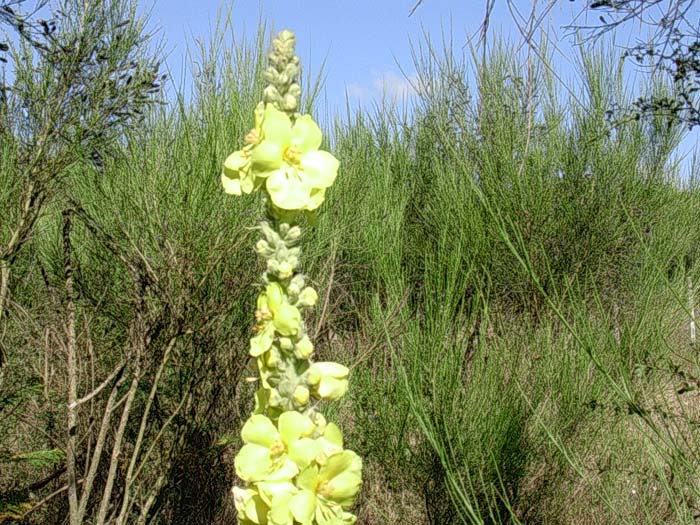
(366, 43)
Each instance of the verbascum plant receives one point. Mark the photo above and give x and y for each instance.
(293, 463)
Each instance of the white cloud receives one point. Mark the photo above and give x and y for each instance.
(386, 84)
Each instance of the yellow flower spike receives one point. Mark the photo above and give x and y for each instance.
(294, 465)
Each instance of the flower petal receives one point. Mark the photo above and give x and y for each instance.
(287, 319)
(333, 437)
(262, 342)
(250, 507)
(344, 488)
(287, 190)
(331, 368)
(252, 462)
(260, 430)
(303, 451)
(303, 506)
(271, 491)
(286, 471)
(339, 463)
(332, 389)
(320, 168)
(294, 425)
(276, 126)
(266, 157)
(274, 295)
(235, 162)
(306, 135)
(316, 198)
(309, 478)
(231, 186)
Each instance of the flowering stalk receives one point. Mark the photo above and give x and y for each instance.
(293, 463)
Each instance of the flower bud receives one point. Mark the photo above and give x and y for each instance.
(284, 270)
(313, 377)
(272, 358)
(262, 247)
(307, 297)
(275, 399)
(328, 379)
(294, 90)
(294, 233)
(271, 75)
(273, 266)
(289, 102)
(303, 348)
(270, 235)
(295, 285)
(301, 395)
(292, 70)
(271, 94)
(286, 344)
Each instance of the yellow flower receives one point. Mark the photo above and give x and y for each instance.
(274, 315)
(275, 453)
(296, 172)
(326, 491)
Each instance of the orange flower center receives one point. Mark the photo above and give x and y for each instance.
(277, 448)
(325, 489)
(291, 155)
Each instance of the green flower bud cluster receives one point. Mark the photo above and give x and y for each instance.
(279, 249)
(282, 90)
(293, 463)
(282, 347)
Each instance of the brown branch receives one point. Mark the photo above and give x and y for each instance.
(138, 341)
(116, 372)
(47, 499)
(142, 429)
(99, 446)
(72, 371)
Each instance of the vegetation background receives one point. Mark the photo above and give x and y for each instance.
(509, 275)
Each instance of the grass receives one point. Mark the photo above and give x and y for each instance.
(505, 275)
